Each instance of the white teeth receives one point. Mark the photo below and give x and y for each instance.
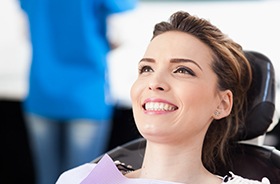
(156, 106)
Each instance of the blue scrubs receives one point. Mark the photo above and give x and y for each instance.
(68, 106)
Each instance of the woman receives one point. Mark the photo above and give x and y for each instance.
(188, 102)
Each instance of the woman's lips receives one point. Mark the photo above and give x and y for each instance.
(158, 105)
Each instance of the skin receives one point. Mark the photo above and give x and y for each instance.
(180, 89)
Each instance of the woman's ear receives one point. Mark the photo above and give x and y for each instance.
(225, 106)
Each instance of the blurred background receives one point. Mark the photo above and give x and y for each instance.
(252, 23)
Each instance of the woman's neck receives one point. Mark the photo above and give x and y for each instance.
(177, 163)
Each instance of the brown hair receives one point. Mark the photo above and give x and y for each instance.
(233, 72)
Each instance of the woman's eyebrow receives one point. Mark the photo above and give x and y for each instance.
(147, 60)
(182, 60)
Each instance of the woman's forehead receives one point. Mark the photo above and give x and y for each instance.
(175, 44)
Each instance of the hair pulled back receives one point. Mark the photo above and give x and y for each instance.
(233, 72)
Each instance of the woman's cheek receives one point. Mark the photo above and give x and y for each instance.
(135, 90)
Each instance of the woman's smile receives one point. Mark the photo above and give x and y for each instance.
(158, 106)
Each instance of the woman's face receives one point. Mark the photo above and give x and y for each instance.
(175, 95)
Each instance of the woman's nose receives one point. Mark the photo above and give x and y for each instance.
(158, 83)
(155, 87)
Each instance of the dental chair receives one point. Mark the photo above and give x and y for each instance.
(250, 160)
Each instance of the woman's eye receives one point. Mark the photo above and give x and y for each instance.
(145, 69)
(184, 70)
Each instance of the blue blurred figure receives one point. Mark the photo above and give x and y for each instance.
(68, 107)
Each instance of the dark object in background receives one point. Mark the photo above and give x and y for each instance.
(124, 128)
(16, 159)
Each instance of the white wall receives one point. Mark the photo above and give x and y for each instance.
(15, 50)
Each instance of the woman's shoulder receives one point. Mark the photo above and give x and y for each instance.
(76, 175)
(235, 179)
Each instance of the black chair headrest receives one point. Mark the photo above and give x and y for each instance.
(261, 97)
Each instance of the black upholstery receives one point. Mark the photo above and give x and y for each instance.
(250, 161)
(261, 97)
(130, 153)
(256, 162)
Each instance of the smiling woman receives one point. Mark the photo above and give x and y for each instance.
(188, 102)
(183, 86)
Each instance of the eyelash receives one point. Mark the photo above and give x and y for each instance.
(184, 70)
(180, 69)
(144, 68)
